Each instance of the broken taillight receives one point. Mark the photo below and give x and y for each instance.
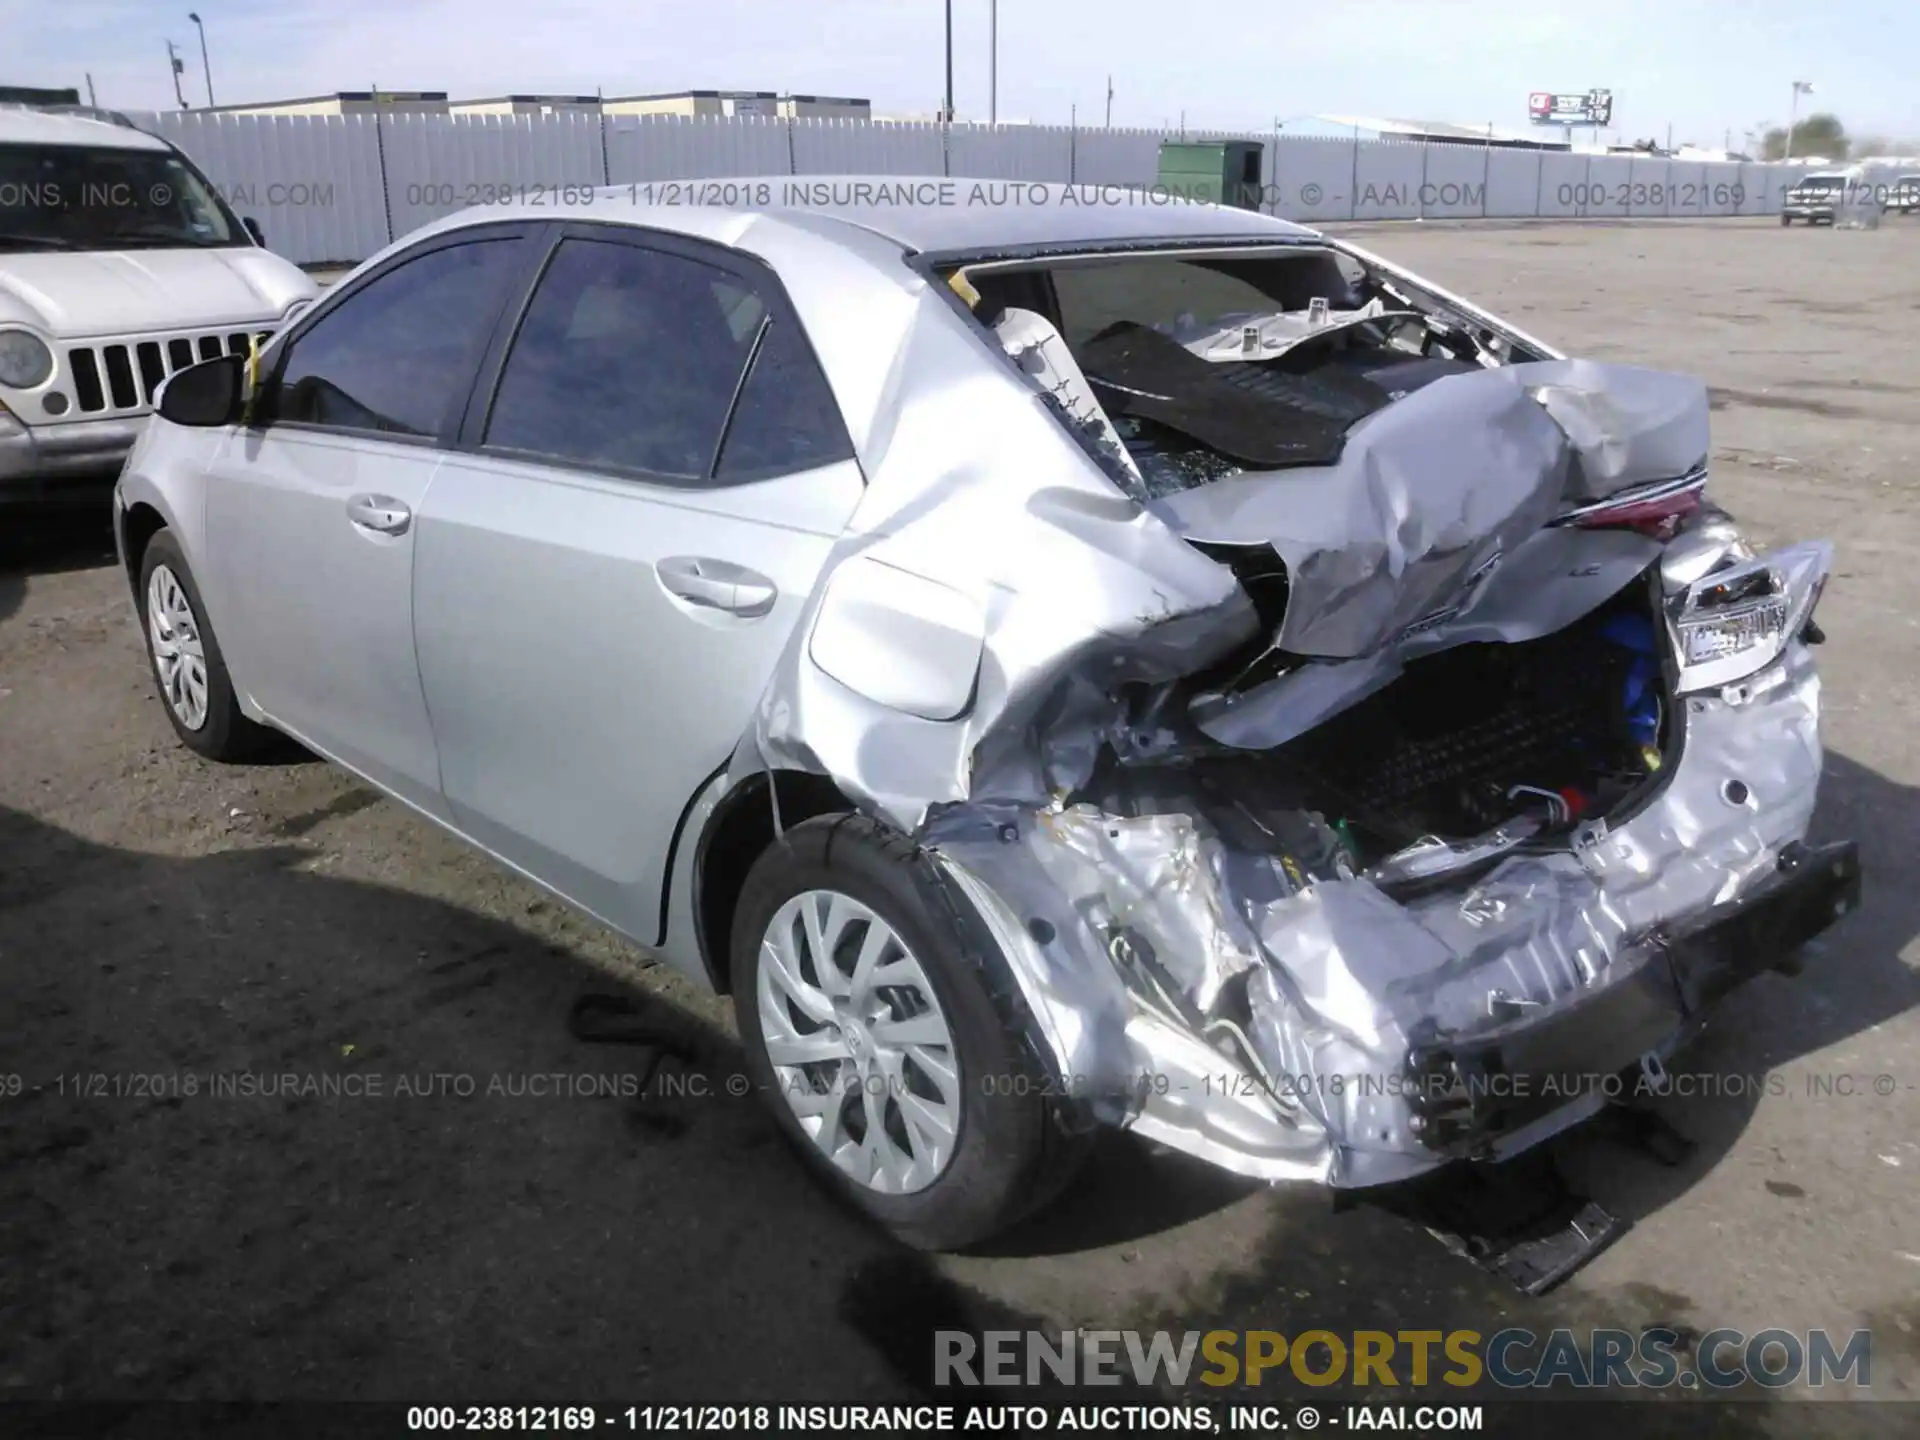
(1654, 510)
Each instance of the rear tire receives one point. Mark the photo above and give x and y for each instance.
(850, 887)
(1786, 220)
(184, 656)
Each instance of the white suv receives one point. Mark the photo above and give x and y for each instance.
(119, 264)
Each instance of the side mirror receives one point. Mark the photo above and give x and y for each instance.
(210, 393)
(253, 229)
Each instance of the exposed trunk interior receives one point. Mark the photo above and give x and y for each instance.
(1471, 737)
(1212, 364)
(1560, 730)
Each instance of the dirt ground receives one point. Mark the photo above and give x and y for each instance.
(162, 918)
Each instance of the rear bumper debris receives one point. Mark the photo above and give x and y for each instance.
(1385, 1038)
(1463, 1096)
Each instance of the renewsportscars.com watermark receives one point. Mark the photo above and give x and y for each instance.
(1514, 1359)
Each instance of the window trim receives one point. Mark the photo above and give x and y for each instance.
(447, 428)
(760, 277)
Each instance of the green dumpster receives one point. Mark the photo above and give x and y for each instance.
(1225, 172)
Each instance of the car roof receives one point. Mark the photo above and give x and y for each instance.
(28, 125)
(931, 214)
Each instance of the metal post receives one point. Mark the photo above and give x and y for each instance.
(1109, 102)
(606, 160)
(90, 96)
(1486, 169)
(206, 68)
(175, 65)
(949, 113)
(993, 62)
(1353, 183)
(380, 154)
(1273, 171)
(1800, 87)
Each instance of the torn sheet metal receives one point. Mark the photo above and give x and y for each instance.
(1553, 578)
(1101, 965)
(1427, 492)
(1041, 353)
(976, 487)
(1627, 425)
(1347, 982)
(1434, 491)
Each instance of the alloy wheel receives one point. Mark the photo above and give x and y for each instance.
(179, 658)
(860, 1049)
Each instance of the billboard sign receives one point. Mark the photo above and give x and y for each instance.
(1595, 107)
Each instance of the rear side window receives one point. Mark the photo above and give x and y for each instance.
(396, 355)
(628, 359)
(787, 418)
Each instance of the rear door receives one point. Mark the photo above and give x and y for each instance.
(652, 474)
(311, 509)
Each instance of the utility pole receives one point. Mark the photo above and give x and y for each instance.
(993, 62)
(1800, 87)
(949, 114)
(1109, 102)
(205, 68)
(91, 100)
(174, 63)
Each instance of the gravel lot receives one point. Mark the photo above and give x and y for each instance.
(167, 918)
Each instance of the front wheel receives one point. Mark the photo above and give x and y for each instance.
(185, 658)
(1786, 219)
(882, 1027)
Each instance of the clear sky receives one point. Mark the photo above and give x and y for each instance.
(1704, 68)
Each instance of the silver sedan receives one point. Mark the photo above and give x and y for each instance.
(1058, 660)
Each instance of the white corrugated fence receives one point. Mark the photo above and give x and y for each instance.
(337, 188)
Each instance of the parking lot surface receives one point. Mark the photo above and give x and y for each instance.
(520, 1215)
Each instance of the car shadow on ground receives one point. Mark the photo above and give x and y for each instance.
(47, 541)
(285, 1135)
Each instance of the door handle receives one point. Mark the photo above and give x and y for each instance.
(718, 585)
(379, 512)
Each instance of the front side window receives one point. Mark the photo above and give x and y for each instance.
(396, 355)
(84, 197)
(628, 359)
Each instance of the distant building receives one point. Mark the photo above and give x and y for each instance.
(740, 102)
(346, 102)
(527, 105)
(33, 95)
(680, 102)
(1431, 132)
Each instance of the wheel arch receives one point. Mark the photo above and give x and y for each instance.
(139, 523)
(738, 832)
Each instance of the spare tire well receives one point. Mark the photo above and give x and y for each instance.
(737, 833)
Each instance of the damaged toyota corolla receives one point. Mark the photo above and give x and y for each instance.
(1058, 666)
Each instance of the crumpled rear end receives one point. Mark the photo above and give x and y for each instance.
(1092, 715)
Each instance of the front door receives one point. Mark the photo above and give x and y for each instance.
(604, 581)
(312, 509)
